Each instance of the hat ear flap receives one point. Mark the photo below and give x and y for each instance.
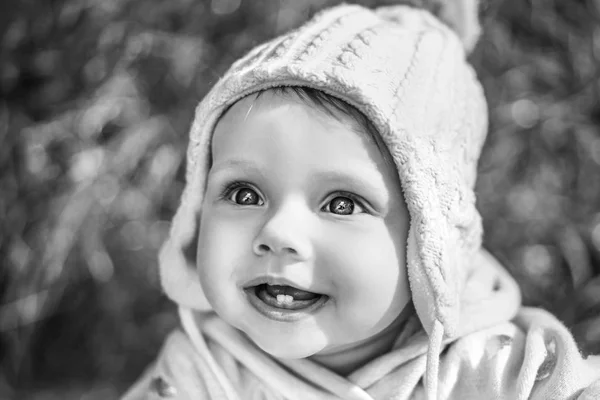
(463, 17)
(177, 262)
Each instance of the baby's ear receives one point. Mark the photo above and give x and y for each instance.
(463, 17)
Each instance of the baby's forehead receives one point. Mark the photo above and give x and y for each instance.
(283, 112)
(327, 110)
(263, 132)
(323, 107)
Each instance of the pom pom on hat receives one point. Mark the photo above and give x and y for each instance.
(404, 70)
(462, 16)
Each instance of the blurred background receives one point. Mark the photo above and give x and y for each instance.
(95, 101)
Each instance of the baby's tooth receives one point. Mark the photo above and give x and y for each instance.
(285, 299)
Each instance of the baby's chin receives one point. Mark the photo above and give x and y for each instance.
(286, 347)
(285, 351)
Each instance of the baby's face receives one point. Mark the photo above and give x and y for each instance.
(303, 229)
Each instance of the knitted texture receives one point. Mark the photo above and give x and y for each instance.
(407, 72)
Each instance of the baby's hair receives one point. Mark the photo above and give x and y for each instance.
(333, 106)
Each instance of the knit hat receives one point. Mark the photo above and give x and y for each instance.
(407, 72)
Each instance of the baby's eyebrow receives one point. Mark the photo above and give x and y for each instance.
(230, 164)
(363, 179)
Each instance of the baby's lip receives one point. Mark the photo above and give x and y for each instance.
(277, 280)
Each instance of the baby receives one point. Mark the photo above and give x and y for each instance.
(327, 245)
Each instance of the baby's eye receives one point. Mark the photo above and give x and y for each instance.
(342, 205)
(245, 196)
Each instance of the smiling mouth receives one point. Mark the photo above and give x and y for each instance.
(284, 303)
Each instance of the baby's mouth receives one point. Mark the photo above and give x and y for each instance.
(285, 297)
(284, 303)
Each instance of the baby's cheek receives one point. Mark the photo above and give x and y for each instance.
(222, 234)
(369, 278)
(369, 263)
(219, 248)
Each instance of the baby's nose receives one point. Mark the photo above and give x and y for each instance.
(285, 234)
(265, 248)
